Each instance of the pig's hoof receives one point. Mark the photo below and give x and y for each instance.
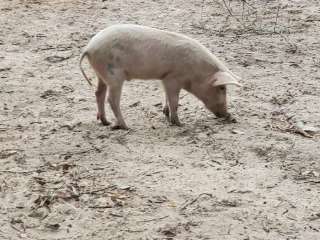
(176, 123)
(119, 127)
(165, 111)
(231, 119)
(105, 122)
(103, 119)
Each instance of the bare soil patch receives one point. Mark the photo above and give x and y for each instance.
(65, 176)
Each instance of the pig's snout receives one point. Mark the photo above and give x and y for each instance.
(220, 110)
(226, 116)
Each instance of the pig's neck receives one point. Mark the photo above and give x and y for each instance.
(199, 87)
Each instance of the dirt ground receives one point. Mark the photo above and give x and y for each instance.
(65, 176)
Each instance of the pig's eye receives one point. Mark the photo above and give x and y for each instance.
(222, 88)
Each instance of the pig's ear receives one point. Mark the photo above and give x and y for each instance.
(224, 78)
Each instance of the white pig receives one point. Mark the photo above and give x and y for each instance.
(126, 51)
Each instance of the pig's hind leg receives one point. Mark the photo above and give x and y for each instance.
(110, 80)
(100, 98)
(116, 77)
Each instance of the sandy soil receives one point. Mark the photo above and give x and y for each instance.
(65, 176)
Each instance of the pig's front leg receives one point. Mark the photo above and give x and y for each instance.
(165, 109)
(100, 98)
(172, 93)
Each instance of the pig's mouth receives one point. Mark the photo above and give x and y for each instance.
(222, 114)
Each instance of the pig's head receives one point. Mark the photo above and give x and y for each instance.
(216, 93)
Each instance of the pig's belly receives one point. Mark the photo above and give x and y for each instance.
(146, 71)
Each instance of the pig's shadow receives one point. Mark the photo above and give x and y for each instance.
(163, 132)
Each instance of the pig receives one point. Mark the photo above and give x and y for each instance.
(127, 51)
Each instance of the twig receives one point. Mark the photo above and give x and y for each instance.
(134, 231)
(277, 16)
(66, 153)
(100, 207)
(154, 219)
(115, 215)
(215, 161)
(97, 190)
(120, 141)
(248, 4)
(242, 14)
(231, 14)
(19, 172)
(291, 44)
(291, 128)
(15, 228)
(201, 15)
(226, 6)
(302, 132)
(188, 203)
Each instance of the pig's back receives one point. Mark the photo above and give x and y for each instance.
(147, 52)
